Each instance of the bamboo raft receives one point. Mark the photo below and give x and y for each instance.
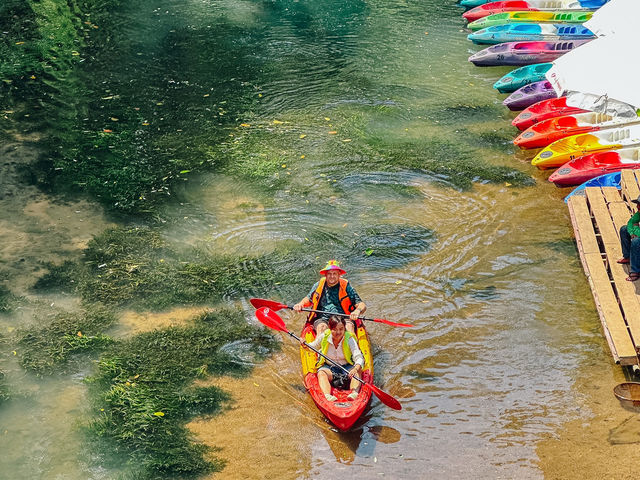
(597, 217)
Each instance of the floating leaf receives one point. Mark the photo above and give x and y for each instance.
(185, 171)
(277, 122)
(332, 132)
(327, 119)
(302, 135)
(245, 125)
(368, 251)
(398, 282)
(159, 414)
(79, 334)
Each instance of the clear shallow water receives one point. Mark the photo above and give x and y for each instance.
(502, 313)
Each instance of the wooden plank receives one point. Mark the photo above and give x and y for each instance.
(620, 214)
(582, 225)
(611, 194)
(602, 217)
(629, 185)
(609, 236)
(613, 324)
(626, 291)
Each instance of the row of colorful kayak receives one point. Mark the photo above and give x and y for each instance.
(531, 34)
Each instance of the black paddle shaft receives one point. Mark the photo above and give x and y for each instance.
(332, 362)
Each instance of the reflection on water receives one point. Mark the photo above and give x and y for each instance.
(503, 316)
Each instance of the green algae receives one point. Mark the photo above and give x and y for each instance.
(144, 394)
(45, 350)
(128, 139)
(450, 162)
(8, 300)
(4, 389)
(137, 268)
(455, 115)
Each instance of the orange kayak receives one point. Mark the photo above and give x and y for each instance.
(343, 413)
(548, 131)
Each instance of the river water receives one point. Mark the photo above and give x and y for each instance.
(492, 378)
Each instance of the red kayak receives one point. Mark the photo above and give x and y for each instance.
(491, 8)
(548, 131)
(553, 107)
(585, 168)
(343, 413)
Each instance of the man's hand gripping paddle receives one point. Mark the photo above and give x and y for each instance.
(271, 319)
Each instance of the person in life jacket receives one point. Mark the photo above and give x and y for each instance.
(332, 294)
(341, 347)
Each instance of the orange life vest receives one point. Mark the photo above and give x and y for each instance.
(345, 301)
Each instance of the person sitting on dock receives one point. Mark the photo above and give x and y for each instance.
(630, 243)
(341, 347)
(332, 294)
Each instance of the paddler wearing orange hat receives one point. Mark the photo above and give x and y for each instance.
(334, 294)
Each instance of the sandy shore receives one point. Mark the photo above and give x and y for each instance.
(603, 443)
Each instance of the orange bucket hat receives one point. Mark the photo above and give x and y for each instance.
(332, 265)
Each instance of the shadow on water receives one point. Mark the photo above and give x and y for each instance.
(360, 441)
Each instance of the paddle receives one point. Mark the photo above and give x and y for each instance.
(272, 320)
(275, 306)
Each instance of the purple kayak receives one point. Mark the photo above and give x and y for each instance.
(523, 53)
(530, 94)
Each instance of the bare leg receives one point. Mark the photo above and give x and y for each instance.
(355, 385)
(324, 379)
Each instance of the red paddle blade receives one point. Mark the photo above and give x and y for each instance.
(271, 319)
(385, 398)
(262, 302)
(389, 322)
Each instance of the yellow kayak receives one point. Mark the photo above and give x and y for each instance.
(564, 150)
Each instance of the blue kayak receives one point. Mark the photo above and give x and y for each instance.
(607, 180)
(530, 32)
(522, 76)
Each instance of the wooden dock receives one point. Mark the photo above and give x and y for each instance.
(597, 217)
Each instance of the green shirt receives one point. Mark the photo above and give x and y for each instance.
(330, 298)
(632, 225)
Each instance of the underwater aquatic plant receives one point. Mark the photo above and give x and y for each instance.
(144, 394)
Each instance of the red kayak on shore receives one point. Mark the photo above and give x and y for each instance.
(548, 131)
(553, 107)
(343, 413)
(585, 168)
